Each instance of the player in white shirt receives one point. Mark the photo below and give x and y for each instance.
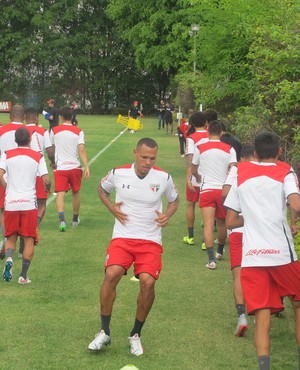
(7, 141)
(40, 141)
(270, 269)
(136, 239)
(210, 165)
(20, 215)
(69, 144)
(192, 190)
(235, 239)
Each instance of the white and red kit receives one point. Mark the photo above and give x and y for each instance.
(140, 198)
(40, 139)
(213, 159)
(22, 165)
(66, 139)
(260, 192)
(196, 138)
(7, 142)
(7, 136)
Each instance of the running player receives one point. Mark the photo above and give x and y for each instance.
(68, 141)
(199, 121)
(210, 165)
(136, 236)
(20, 216)
(235, 248)
(7, 141)
(270, 269)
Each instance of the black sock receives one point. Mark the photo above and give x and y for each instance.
(75, 218)
(299, 356)
(220, 248)
(210, 254)
(137, 328)
(21, 247)
(25, 267)
(241, 309)
(105, 320)
(263, 362)
(61, 216)
(191, 232)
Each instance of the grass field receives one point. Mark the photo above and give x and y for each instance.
(49, 323)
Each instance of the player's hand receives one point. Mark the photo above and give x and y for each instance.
(198, 178)
(53, 166)
(294, 229)
(189, 185)
(86, 173)
(162, 219)
(119, 215)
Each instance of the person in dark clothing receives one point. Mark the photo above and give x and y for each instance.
(134, 111)
(54, 114)
(230, 140)
(161, 114)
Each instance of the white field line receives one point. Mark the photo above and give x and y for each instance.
(53, 196)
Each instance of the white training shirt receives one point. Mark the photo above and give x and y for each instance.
(22, 165)
(213, 159)
(196, 138)
(141, 198)
(230, 180)
(7, 136)
(40, 138)
(260, 193)
(66, 139)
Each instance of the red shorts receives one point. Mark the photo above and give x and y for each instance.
(67, 179)
(235, 249)
(192, 196)
(40, 189)
(2, 197)
(263, 287)
(145, 254)
(213, 198)
(22, 223)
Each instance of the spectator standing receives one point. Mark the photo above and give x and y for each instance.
(53, 114)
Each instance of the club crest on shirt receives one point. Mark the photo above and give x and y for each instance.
(154, 187)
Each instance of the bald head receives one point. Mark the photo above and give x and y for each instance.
(17, 113)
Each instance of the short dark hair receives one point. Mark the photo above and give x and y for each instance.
(247, 151)
(66, 113)
(267, 145)
(215, 128)
(211, 115)
(22, 136)
(17, 112)
(148, 142)
(31, 113)
(198, 119)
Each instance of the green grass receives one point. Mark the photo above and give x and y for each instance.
(49, 324)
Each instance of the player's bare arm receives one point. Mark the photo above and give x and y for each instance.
(51, 156)
(294, 203)
(162, 219)
(2, 181)
(84, 159)
(233, 219)
(114, 208)
(195, 173)
(189, 158)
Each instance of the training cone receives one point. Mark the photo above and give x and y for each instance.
(129, 367)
